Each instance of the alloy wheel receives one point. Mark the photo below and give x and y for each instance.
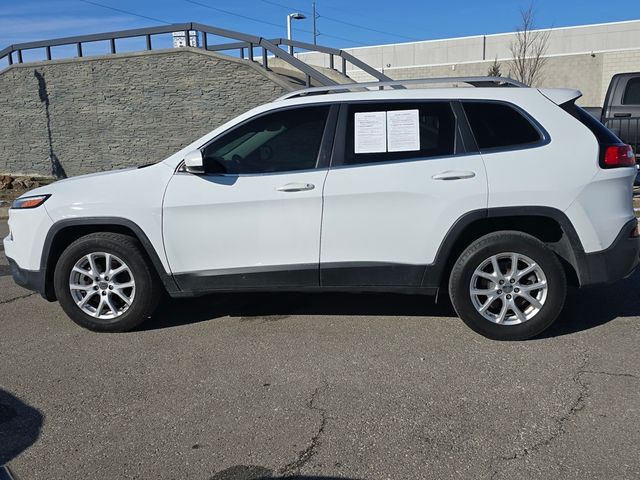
(508, 288)
(102, 285)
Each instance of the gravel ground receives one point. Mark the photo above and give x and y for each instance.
(319, 386)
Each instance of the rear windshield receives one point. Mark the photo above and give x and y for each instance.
(602, 133)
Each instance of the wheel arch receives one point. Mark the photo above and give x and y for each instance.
(64, 232)
(547, 224)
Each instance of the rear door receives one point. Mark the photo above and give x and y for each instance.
(401, 176)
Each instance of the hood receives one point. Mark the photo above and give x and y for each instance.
(66, 182)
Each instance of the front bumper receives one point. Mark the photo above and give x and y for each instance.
(616, 262)
(29, 279)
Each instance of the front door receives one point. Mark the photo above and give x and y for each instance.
(401, 176)
(253, 218)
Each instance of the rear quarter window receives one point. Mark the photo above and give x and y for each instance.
(498, 125)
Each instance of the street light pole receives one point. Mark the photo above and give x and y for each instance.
(293, 16)
(315, 29)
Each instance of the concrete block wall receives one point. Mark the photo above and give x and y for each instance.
(618, 62)
(584, 39)
(588, 73)
(86, 115)
(584, 57)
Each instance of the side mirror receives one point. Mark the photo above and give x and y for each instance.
(193, 162)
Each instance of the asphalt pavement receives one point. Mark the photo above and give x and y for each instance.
(240, 387)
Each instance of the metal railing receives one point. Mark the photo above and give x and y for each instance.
(245, 44)
(627, 129)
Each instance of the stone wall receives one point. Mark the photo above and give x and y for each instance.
(77, 116)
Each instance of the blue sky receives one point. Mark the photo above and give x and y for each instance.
(342, 23)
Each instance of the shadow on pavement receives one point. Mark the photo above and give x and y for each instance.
(176, 312)
(585, 309)
(19, 426)
(595, 306)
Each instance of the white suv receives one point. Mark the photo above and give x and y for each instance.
(503, 196)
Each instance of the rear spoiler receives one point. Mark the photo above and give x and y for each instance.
(560, 95)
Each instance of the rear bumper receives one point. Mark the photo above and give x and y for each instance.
(29, 279)
(616, 262)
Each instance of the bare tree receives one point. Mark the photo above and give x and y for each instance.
(529, 49)
(494, 69)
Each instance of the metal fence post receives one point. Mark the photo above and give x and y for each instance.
(204, 40)
(251, 51)
(48, 50)
(344, 66)
(265, 62)
(331, 61)
(112, 42)
(19, 56)
(79, 45)
(148, 42)
(10, 57)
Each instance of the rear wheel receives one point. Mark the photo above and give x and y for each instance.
(508, 286)
(103, 283)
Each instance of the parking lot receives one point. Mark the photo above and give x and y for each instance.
(319, 386)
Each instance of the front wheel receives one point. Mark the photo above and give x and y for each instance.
(508, 286)
(104, 283)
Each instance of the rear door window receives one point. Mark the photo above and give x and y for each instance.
(383, 132)
(498, 125)
(632, 92)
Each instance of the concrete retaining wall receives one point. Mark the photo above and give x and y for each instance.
(77, 116)
(588, 73)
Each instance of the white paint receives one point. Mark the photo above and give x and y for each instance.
(242, 221)
(396, 212)
(391, 212)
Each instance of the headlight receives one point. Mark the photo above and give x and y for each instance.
(29, 202)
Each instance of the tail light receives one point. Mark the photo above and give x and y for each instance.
(619, 156)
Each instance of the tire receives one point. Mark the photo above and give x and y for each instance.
(108, 296)
(538, 296)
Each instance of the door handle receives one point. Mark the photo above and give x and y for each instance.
(453, 175)
(296, 187)
(618, 115)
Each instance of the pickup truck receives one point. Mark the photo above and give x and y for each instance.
(621, 109)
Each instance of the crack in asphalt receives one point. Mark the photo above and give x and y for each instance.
(611, 374)
(576, 406)
(4, 302)
(305, 455)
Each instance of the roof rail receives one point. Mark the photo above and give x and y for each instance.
(347, 87)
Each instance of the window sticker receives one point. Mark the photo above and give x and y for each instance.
(403, 131)
(370, 132)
